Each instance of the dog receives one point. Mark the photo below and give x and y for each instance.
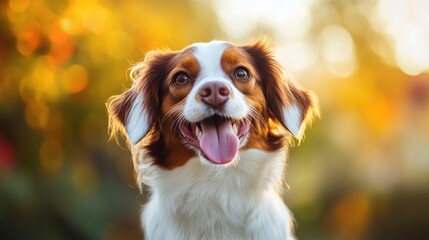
(209, 127)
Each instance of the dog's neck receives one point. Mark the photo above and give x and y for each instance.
(254, 173)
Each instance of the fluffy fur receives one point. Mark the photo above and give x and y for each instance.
(176, 103)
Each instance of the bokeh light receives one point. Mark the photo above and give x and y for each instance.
(337, 50)
(407, 24)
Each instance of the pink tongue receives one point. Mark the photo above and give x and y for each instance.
(218, 142)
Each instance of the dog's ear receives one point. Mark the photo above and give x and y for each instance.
(136, 109)
(291, 105)
(129, 111)
(301, 109)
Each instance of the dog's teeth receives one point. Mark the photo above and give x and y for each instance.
(198, 132)
(234, 128)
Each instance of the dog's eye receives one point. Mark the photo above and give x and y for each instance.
(181, 79)
(241, 73)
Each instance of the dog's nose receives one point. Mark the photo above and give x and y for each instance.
(214, 94)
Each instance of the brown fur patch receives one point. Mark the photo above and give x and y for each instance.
(171, 151)
(162, 142)
(261, 134)
(280, 92)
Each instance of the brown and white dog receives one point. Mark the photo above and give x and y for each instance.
(209, 127)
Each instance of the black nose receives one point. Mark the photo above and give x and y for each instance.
(214, 94)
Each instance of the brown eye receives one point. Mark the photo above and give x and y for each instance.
(241, 73)
(181, 79)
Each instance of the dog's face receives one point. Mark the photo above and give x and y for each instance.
(210, 100)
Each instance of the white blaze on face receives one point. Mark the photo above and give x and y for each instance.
(209, 57)
(216, 137)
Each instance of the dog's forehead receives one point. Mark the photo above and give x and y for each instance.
(209, 57)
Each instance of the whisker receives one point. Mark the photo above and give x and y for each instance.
(257, 116)
(179, 121)
(171, 112)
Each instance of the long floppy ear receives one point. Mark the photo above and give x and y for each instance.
(291, 105)
(136, 109)
(128, 110)
(301, 110)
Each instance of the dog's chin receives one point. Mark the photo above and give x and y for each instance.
(216, 140)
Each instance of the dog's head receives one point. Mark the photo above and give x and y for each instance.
(210, 100)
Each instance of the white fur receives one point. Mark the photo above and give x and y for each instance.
(137, 124)
(209, 56)
(197, 201)
(293, 118)
(235, 107)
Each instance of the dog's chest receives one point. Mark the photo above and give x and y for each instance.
(213, 217)
(202, 202)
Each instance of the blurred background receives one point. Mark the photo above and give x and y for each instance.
(361, 173)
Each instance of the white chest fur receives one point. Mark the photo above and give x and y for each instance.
(197, 201)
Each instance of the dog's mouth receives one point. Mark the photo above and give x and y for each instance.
(217, 137)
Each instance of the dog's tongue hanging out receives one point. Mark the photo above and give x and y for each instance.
(218, 141)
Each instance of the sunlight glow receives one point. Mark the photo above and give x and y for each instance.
(290, 22)
(298, 56)
(337, 48)
(406, 22)
(291, 19)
